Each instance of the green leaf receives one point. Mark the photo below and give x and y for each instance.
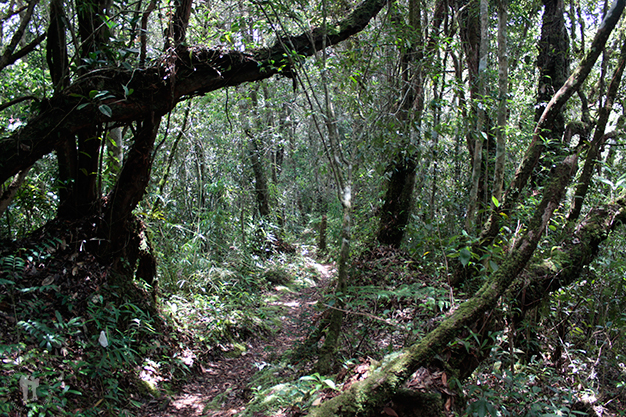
(464, 256)
(607, 182)
(494, 266)
(101, 94)
(330, 383)
(495, 201)
(106, 110)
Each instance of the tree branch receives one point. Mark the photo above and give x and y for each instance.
(17, 36)
(9, 59)
(198, 70)
(16, 101)
(374, 391)
(536, 147)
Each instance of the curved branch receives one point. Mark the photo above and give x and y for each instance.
(6, 58)
(198, 70)
(9, 59)
(11, 190)
(16, 101)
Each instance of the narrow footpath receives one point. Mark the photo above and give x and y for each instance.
(229, 378)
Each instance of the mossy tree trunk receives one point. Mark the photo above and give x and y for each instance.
(364, 397)
(397, 205)
(492, 226)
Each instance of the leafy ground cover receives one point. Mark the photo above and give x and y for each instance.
(235, 339)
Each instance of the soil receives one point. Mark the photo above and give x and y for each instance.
(228, 378)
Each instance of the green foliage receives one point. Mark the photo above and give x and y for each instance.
(48, 337)
(34, 204)
(220, 307)
(270, 396)
(529, 391)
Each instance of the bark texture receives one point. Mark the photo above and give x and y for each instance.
(396, 209)
(119, 226)
(397, 206)
(553, 65)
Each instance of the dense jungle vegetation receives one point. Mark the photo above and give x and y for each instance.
(312, 207)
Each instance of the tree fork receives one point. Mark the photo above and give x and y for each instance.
(118, 228)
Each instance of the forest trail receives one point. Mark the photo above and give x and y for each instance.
(228, 378)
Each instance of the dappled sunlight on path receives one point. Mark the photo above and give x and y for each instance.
(222, 388)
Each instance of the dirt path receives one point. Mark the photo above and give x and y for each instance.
(230, 376)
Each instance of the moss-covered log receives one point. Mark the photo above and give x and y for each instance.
(364, 397)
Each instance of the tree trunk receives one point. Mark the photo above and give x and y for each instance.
(553, 65)
(398, 201)
(321, 241)
(327, 360)
(342, 171)
(503, 92)
(523, 173)
(364, 397)
(397, 205)
(119, 232)
(480, 133)
(260, 181)
(9, 192)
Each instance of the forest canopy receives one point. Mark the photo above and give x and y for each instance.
(166, 165)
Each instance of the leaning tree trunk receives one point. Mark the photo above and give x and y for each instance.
(599, 139)
(366, 396)
(9, 192)
(534, 151)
